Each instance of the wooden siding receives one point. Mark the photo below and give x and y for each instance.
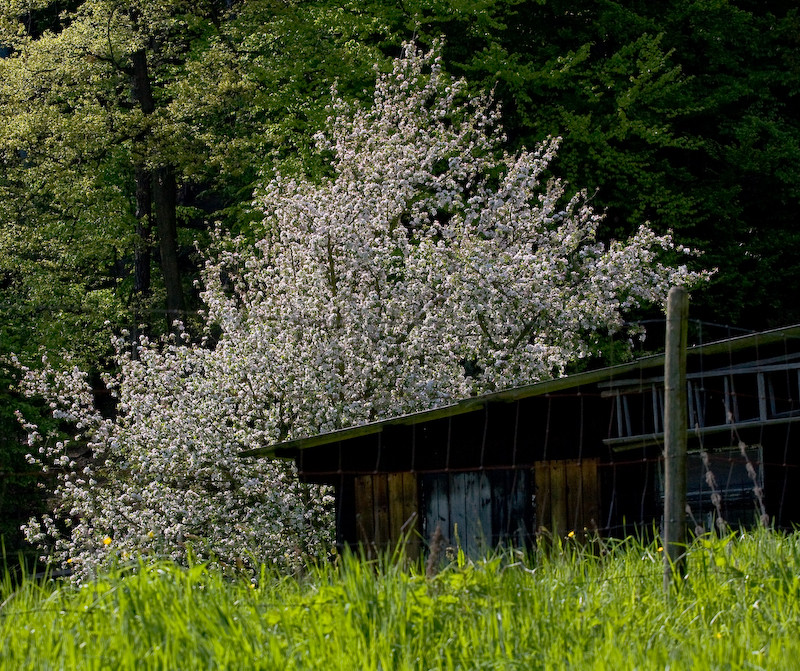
(478, 510)
(567, 496)
(386, 508)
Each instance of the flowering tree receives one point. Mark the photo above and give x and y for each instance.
(429, 265)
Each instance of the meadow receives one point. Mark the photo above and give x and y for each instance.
(600, 606)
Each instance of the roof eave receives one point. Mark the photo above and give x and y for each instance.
(517, 393)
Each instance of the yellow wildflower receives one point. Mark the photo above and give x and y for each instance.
(107, 540)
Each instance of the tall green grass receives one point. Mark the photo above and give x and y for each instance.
(573, 607)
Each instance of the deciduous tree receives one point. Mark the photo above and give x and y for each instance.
(428, 266)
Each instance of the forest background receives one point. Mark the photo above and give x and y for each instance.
(115, 170)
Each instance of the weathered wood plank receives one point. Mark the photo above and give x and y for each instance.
(574, 497)
(500, 506)
(397, 509)
(437, 512)
(458, 511)
(410, 501)
(591, 494)
(483, 529)
(544, 508)
(411, 524)
(380, 489)
(518, 507)
(558, 498)
(470, 535)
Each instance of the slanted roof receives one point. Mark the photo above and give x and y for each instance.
(729, 345)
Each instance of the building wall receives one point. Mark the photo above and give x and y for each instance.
(474, 510)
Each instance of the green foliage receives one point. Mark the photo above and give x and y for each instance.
(679, 115)
(97, 98)
(676, 114)
(598, 607)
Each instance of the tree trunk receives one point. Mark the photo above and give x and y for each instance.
(144, 217)
(142, 90)
(155, 198)
(164, 199)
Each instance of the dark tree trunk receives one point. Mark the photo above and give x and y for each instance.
(142, 90)
(155, 205)
(144, 217)
(164, 199)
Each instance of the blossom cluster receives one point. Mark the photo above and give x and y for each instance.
(430, 265)
(162, 477)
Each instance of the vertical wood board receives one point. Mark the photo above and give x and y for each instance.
(500, 506)
(541, 474)
(458, 510)
(397, 506)
(574, 496)
(558, 498)
(567, 495)
(380, 488)
(518, 506)
(591, 494)
(436, 511)
(365, 510)
(482, 529)
(411, 526)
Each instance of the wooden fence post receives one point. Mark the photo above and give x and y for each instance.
(675, 430)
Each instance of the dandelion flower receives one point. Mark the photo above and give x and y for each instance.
(107, 540)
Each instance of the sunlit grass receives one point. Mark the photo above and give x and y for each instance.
(601, 607)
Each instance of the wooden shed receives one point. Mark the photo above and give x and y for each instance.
(574, 454)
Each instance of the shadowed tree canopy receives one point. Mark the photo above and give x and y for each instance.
(132, 128)
(678, 113)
